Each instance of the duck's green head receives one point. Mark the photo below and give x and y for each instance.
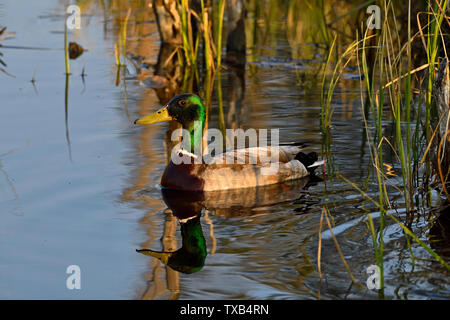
(185, 108)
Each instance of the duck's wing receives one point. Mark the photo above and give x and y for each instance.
(258, 155)
(252, 167)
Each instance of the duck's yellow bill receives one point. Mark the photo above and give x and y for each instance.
(158, 116)
(163, 256)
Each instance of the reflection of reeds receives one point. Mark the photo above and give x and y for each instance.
(66, 117)
(4, 36)
(8, 179)
(318, 9)
(326, 213)
(116, 54)
(120, 48)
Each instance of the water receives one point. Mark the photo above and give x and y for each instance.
(79, 182)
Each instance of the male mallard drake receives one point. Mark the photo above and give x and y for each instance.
(219, 174)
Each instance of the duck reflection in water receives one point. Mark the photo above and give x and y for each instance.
(191, 256)
(187, 207)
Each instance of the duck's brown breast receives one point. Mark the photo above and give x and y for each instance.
(183, 177)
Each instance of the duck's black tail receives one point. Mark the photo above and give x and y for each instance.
(309, 160)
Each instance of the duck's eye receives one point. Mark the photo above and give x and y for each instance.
(182, 103)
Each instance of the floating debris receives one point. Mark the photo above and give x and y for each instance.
(75, 50)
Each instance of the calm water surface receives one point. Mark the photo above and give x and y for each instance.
(78, 182)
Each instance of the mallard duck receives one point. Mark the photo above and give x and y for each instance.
(218, 174)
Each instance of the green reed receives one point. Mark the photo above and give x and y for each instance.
(189, 47)
(206, 28)
(190, 42)
(436, 14)
(219, 31)
(378, 249)
(387, 67)
(388, 64)
(66, 49)
(339, 68)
